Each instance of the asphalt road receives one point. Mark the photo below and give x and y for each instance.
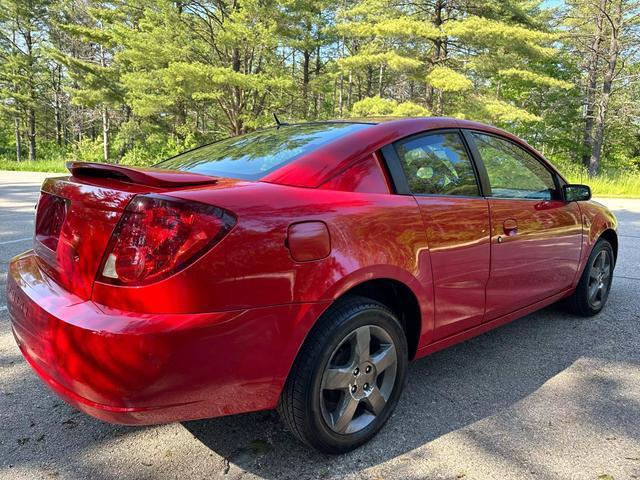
(548, 396)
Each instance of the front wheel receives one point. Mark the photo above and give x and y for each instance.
(347, 378)
(592, 291)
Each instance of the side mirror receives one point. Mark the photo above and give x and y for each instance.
(576, 193)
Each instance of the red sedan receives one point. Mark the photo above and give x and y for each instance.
(300, 267)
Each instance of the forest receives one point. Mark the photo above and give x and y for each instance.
(137, 81)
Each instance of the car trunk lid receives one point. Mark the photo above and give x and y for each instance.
(76, 216)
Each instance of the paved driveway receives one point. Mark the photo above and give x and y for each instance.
(549, 396)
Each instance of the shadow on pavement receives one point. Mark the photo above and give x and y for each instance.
(445, 392)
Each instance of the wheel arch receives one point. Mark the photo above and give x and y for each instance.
(400, 299)
(398, 290)
(611, 236)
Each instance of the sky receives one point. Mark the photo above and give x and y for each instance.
(552, 3)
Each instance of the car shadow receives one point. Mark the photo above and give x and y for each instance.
(445, 392)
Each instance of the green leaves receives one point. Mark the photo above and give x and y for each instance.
(495, 110)
(403, 28)
(448, 80)
(535, 79)
(488, 33)
(160, 75)
(373, 107)
(382, 107)
(393, 60)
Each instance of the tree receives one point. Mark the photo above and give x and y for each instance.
(616, 19)
(22, 30)
(95, 81)
(454, 58)
(135, 81)
(603, 33)
(304, 29)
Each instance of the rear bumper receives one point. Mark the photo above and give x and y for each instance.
(135, 368)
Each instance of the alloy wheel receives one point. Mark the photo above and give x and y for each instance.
(599, 279)
(358, 379)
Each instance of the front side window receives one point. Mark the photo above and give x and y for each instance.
(437, 164)
(512, 171)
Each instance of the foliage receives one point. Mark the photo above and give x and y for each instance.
(135, 81)
(448, 80)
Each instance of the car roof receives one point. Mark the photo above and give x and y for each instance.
(318, 166)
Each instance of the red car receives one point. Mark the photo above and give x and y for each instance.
(300, 267)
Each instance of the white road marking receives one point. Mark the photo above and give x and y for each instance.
(3, 308)
(18, 240)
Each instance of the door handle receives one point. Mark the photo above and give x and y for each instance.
(510, 227)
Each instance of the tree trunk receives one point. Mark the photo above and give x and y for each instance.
(58, 118)
(341, 83)
(105, 133)
(237, 94)
(31, 113)
(350, 91)
(126, 145)
(437, 60)
(600, 124)
(77, 124)
(105, 111)
(31, 133)
(306, 59)
(341, 95)
(380, 78)
(18, 139)
(440, 92)
(316, 98)
(429, 97)
(56, 105)
(592, 79)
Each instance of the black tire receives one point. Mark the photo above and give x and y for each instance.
(304, 402)
(581, 302)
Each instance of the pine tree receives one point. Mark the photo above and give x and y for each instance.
(95, 80)
(21, 69)
(452, 57)
(139, 80)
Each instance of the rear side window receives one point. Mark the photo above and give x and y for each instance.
(252, 156)
(437, 164)
(512, 171)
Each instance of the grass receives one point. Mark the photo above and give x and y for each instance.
(611, 185)
(607, 184)
(37, 166)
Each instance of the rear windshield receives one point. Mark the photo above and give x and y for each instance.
(252, 156)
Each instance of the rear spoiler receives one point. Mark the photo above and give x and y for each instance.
(154, 177)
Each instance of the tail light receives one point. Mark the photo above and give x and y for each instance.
(158, 236)
(50, 216)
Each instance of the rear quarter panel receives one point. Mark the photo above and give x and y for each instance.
(372, 236)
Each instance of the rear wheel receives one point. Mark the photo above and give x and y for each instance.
(593, 289)
(347, 378)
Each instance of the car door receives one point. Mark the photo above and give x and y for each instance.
(535, 236)
(437, 169)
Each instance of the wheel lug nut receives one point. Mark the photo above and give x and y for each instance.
(353, 388)
(366, 386)
(356, 371)
(368, 369)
